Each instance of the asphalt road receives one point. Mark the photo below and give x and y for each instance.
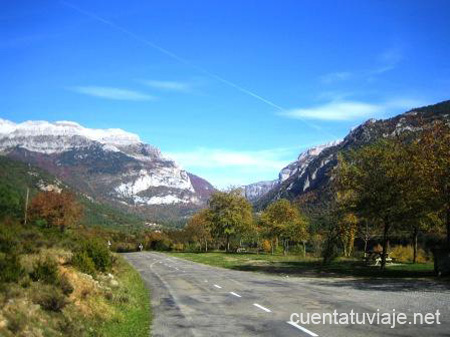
(191, 299)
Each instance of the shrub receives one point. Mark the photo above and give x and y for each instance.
(50, 298)
(45, 270)
(65, 285)
(83, 263)
(99, 253)
(266, 246)
(406, 254)
(16, 322)
(10, 268)
(8, 240)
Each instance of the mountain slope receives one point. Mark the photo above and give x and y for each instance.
(19, 176)
(112, 166)
(308, 184)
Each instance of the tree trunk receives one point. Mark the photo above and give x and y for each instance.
(385, 245)
(415, 235)
(206, 246)
(304, 248)
(366, 242)
(448, 227)
(228, 244)
(285, 247)
(271, 246)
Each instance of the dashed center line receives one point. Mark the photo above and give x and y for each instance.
(261, 307)
(234, 294)
(302, 329)
(217, 286)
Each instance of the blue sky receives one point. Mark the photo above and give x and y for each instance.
(234, 90)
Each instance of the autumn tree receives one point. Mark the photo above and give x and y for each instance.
(59, 210)
(431, 159)
(198, 228)
(230, 215)
(281, 220)
(372, 176)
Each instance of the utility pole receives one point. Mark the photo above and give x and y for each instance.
(26, 205)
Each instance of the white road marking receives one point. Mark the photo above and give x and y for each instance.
(302, 328)
(261, 307)
(234, 294)
(217, 286)
(177, 268)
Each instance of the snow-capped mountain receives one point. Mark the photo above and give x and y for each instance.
(256, 190)
(109, 164)
(307, 180)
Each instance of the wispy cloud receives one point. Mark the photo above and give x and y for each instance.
(388, 60)
(168, 85)
(343, 110)
(225, 167)
(113, 93)
(335, 77)
(213, 158)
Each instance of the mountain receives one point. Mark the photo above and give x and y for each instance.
(256, 191)
(110, 165)
(17, 176)
(307, 180)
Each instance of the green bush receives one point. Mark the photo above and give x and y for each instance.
(83, 263)
(10, 268)
(99, 253)
(45, 270)
(50, 298)
(8, 239)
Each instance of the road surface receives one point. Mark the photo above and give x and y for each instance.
(191, 299)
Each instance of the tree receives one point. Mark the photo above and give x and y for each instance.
(10, 202)
(373, 176)
(56, 209)
(281, 220)
(198, 228)
(230, 215)
(432, 164)
(348, 225)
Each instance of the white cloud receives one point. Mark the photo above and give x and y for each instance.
(113, 93)
(168, 85)
(342, 110)
(212, 158)
(335, 77)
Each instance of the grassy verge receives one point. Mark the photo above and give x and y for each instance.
(133, 304)
(300, 266)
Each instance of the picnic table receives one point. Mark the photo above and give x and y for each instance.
(375, 258)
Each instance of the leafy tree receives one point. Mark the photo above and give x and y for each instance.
(230, 215)
(10, 202)
(431, 156)
(373, 177)
(282, 220)
(198, 228)
(57, 209)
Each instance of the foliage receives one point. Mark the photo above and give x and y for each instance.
(97, 251)
(10, 268)
(406, 254)
(50, 298)
(230, 215)
(45, 270)
(198, 228)
(10, 202)
(281, 220)
(57, 209)
(83, 262)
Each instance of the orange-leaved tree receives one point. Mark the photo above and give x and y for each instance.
(55, 209)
